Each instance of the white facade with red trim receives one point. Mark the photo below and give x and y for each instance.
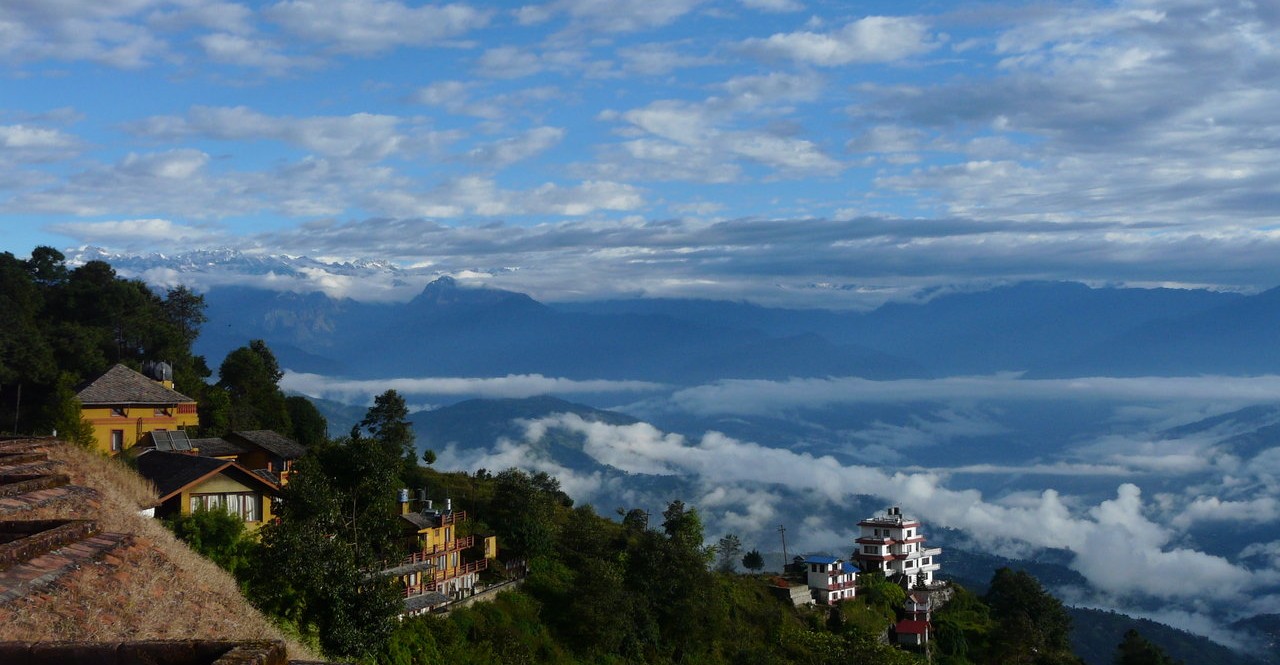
(830, 579)
(893, 544)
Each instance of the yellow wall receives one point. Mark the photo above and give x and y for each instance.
(224, 484)
(137, 422)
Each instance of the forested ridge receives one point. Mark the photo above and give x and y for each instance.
(640, 588)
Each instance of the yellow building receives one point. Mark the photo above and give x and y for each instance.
(256, 450)
(187, 482)
(124, 406)
(437, 563)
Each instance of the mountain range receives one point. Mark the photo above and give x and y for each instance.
(1045, 329)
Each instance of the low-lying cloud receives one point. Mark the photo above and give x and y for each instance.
(1116, 544)
(510, 386)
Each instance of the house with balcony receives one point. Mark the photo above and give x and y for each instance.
(893, 544)
(830, 579)
(437, 569)
(125, 406)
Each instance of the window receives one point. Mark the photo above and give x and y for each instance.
(242, 504)
(117, 412)
(117, 440)
(160, 412)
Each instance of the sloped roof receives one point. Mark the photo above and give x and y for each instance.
(218, 447)
(910, 627)
(270, 441)
(419, 520)
(172, 472)
(121, 385)
(818, 558)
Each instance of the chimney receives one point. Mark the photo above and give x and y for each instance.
(402, 496)
(448, 505)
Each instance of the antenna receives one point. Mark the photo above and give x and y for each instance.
(782, 529)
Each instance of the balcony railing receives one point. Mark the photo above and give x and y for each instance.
(436, 550)
(435, 578)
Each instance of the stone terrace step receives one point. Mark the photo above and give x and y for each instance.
(40, 498)
(19, 580)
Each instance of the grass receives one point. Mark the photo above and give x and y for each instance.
(153, 588)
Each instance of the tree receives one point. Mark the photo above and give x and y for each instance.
(309, 425)
(429, 458)
(218, 536)
(388, 422)
(1033, 624)
(727, 551)
(753, 561)
(64, 415)
(250, 375)
(336, 525)
(184, 309)
(1134, 649)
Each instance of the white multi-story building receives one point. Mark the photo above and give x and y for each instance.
(831, 580)
(892, 544)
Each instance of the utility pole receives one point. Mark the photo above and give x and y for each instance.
(782, 529)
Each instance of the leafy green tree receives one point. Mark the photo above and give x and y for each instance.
(249, 375)
(753, 561)
(1034, 627)
(330, 539)
(218, 536)
(728, 549)
(309, 426)
(388, 422)
(1134, 649)
(429, 458)
(63, 414)
(184, 309)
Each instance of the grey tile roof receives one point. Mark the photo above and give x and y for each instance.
(173, 471)
(218, 447)
(271, 442)
(121, 385)
(419, 520)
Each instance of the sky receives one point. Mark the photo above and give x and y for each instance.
(774, 150)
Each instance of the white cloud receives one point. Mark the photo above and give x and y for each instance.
(610, 15)
(774, 5)
(760, 396)
(1214, 509)
(508, 151)
(704, 142)
(372, 26)
(139, 233)
(867, 40)
(515, 385)
(245, 51)
(1115, 545)
(103, 31)
(365, 136)
(482, 196)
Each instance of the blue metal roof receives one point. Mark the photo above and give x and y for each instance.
(848, 568)
(820, 558)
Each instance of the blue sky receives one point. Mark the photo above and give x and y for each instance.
(776, 150)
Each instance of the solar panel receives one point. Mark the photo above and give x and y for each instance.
(175, 440)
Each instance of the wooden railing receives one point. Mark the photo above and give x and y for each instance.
(434, 578)
(436, 550)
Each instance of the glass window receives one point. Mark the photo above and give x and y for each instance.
(117, 412)
(117, 440)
